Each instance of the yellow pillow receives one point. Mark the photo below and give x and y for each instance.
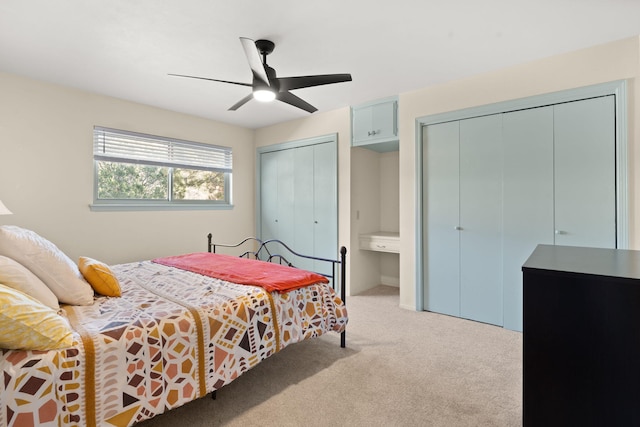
(100, 277)
(26, 324)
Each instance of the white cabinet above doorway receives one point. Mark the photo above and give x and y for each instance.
(374, 125)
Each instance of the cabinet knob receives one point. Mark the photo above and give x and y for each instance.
(457, 228)
(372, 133)
(560, 232)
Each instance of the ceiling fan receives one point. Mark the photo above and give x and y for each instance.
(266, 86)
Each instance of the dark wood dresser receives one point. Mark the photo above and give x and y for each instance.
(581, 356)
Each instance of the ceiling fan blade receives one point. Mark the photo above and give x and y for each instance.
(253, 56)
(290, 83)
(291, 99)
(212, 80)
(240, 103)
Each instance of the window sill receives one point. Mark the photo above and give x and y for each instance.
(124, 207)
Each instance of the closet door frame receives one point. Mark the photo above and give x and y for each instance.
(323, 139)
(616, 88)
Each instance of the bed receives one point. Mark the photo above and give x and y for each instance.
(172, 336)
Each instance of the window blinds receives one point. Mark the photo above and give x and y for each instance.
(114, 145)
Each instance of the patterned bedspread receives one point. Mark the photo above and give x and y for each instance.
(172, 337)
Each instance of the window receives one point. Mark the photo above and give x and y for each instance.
(137, 171)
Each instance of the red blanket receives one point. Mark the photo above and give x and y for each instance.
(270, 276)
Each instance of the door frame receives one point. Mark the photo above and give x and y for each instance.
(617, 88)
(323, 139)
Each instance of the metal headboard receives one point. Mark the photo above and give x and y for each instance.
(266, 252)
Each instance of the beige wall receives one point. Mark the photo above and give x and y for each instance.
(389, 213)
(365, 217)
(614, 61)
(46, 173)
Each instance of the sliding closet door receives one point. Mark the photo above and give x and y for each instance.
(277, 195)
(303, 205)
(325, 203)
(528, 199)
(481, 219)
(441, 208)
(269, 188)
(505, 183)
(585, 211)
(299, 199)
(463, 207)
(315, 203)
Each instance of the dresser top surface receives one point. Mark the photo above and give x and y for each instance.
(595, 261)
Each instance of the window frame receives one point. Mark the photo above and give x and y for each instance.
(169, 203)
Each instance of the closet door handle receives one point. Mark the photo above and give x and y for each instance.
(561, 232)
(457, 228)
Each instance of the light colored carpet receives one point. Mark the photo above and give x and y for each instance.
(400, 368)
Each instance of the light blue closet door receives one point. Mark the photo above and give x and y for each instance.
(315, 204)
(303, 178)
(299, 200)
(325, 204)
(277, 195)
(528, 199)
(509, 182)
(481, 219)
(269, 192)
(585, 209)
(286, 195)
(441, 208)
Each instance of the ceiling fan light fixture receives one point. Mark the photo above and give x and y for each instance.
(266, 87)
(264, 95)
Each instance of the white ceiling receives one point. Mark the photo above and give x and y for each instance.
(125, 48)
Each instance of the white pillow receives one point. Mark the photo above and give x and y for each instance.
(46, 261)
(14, 275)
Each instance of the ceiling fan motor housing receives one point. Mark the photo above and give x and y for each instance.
(265, 47)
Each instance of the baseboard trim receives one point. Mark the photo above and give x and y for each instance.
(390, 281)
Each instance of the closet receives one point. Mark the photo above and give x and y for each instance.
(298, 197)
(496, 186)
